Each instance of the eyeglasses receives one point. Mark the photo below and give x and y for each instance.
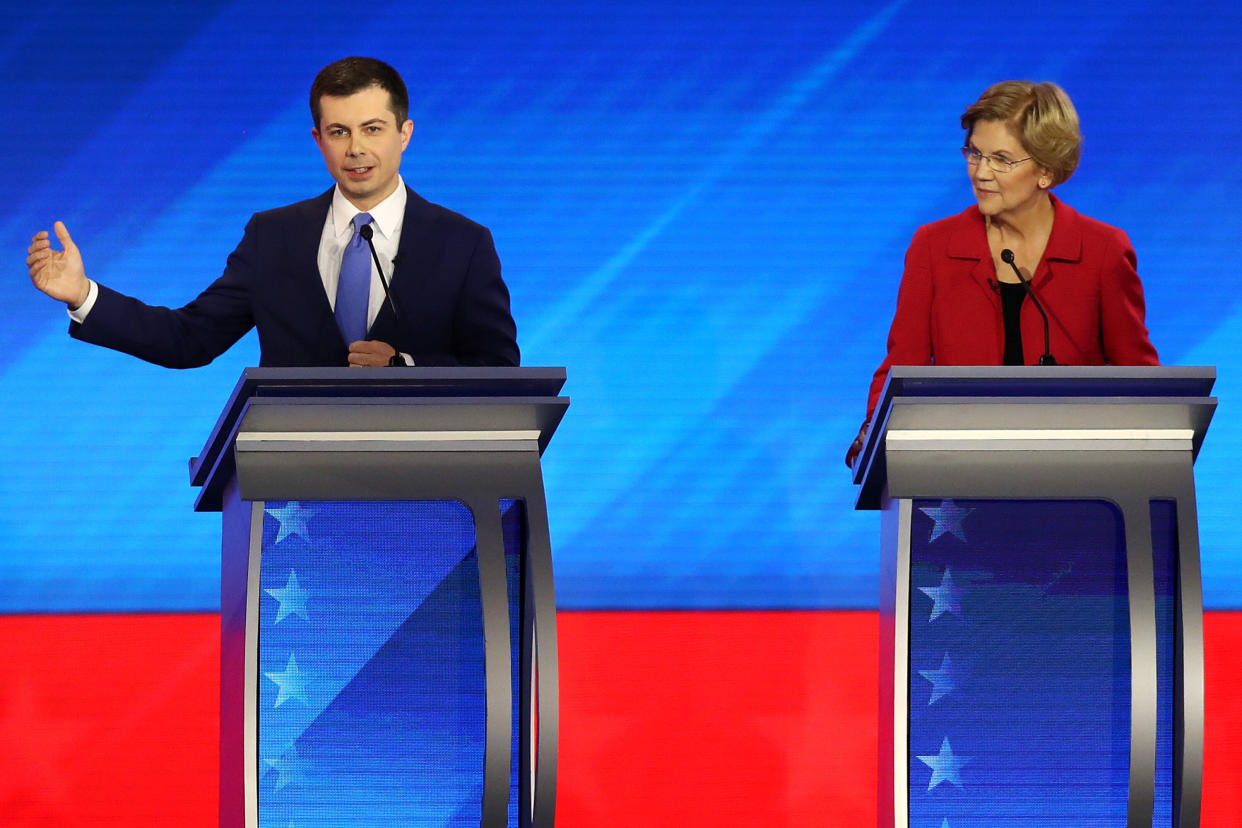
(1000, 165)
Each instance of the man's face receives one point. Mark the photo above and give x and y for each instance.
(362, 143)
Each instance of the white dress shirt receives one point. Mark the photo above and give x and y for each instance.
(386, 219)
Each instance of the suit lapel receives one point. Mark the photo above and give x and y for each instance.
(412, 264)
(304, 237)
(1065, 243)
(969, 243)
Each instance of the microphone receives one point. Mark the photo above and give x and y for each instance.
(1047, 358)
(366, 232)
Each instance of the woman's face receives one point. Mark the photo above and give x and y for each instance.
(1004, 194)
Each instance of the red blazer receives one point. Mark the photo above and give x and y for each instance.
(949, 314)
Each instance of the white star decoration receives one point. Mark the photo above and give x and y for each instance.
(948, 517)
(291, 683)
(289, 767)
(945, 598)
(292, 599)
(293, 519)
(945, 766)
(944, 680)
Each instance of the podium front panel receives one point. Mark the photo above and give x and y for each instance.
(370, 698)
(1019, 690)
(1152, 495)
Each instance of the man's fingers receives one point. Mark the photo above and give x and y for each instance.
(372, 346)
(58, 273)
(370, 353)
(62, 234)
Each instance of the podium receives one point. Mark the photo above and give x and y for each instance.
(388, 627)
(1041, 606)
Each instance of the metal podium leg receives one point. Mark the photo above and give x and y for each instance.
(539, 666)
(495, 599)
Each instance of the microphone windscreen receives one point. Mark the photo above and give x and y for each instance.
(366, 232)
(1006, 255)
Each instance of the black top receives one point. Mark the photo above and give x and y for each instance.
(1012, 295)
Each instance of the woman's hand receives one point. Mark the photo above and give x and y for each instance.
(851, 456)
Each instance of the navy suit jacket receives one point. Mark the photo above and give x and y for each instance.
(452, 303)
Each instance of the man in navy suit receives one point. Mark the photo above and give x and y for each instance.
(448, 303)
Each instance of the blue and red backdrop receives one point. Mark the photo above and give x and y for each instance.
(702, 210)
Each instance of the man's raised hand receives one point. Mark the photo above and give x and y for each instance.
(58, 273)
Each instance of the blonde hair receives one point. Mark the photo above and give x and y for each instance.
(1041, 115)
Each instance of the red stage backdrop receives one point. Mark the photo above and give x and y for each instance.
(681, 719)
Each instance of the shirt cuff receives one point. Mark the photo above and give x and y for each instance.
(79, 313)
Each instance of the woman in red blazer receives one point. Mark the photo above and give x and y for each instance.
(961, 303)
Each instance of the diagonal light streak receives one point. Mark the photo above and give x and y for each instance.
(783, 109)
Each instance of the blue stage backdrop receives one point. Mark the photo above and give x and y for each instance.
(701, 209)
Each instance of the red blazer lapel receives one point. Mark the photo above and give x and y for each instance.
(969, 243)
(1064, 245)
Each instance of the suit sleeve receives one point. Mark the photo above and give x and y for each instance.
(1123, 311)
(186, 337)
(909, 337)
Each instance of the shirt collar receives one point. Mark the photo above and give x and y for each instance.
(385, 216)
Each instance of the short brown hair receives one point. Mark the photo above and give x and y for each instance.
(351, 75)
(1041, 115)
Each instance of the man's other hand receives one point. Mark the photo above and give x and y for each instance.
(58, 273)
(370, 353)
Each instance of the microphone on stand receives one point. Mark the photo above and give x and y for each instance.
(1007, 258)
(366, 232)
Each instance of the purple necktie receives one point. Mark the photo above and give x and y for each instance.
(353, 291)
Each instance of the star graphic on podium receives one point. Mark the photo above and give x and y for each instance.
(292, 599)
(289, 768)
(944, 680)
(946, 767)
(292, 518)
(945, 598)
(291, 682)
(948, 517)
